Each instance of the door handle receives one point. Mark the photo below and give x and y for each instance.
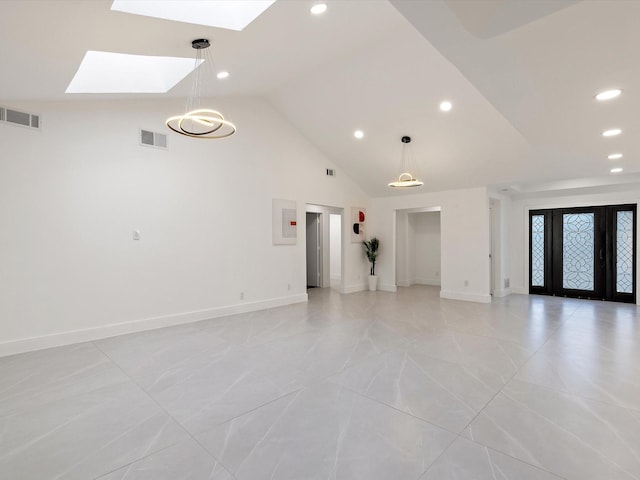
(601, 254)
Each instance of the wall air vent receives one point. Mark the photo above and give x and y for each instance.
(20, 119)
(153, 139)
(331, 172)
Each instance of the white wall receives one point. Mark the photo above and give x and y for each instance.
(519, 223)
(464, 235)
(71, 194)
(424, 248)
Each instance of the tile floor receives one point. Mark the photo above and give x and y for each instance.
(368, 386)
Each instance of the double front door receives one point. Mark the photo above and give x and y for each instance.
(586, 252)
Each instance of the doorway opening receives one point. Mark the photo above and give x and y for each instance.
(324, 247)
(584, 252)
(499, 281)
(418, 247)
(335, 251)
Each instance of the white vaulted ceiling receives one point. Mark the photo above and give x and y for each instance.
(521, 75)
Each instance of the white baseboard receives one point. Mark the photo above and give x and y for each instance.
(355, 288)
(95, 333)
(426, 281)
(363, 288)
(520, 290)
(468, 297)
(387, 288)
(419, 281)
(502, 293)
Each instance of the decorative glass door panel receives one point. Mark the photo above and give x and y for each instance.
(577, 251)
(537, 250)
(624, 250)
(621, 271)
(540, 274)
(586, 252)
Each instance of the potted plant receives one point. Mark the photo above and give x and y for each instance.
(371, 250)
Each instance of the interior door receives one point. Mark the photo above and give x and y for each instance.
(586, 252)
(314, 239)
(579, 239)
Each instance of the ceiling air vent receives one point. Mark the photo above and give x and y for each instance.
(21, 119)
(153, 139)
(331, 172)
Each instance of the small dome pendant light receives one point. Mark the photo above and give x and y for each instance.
(200, 122)
(405, 179)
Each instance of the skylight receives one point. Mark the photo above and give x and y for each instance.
(229, 14)
(106, 72)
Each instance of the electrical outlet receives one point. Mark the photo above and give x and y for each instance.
(466, 283)
(437, 274)
(136, 235)
(288, 286)
(241, 295)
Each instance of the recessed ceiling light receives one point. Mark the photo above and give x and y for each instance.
(108, 72)
(358, 134)
(319, 8)
(611, 133)
(222, 75)
(608, 94)
(614, 156)
(229, 14)
(616, 170)
(445, 106)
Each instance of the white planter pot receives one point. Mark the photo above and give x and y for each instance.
(373, 283)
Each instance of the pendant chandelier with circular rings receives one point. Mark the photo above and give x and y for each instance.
(406, 179)
(200, 122)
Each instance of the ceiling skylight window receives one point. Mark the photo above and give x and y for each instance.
(223, 74)
(107, 72)
(358, 134)
(608, 94)
(615, 156)
(616, 170)
(229, 14)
